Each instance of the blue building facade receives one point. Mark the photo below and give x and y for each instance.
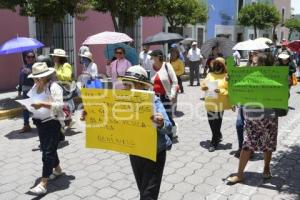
(222, 18)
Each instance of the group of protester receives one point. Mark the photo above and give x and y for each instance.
(51, 84)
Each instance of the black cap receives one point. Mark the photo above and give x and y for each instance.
(157, 53)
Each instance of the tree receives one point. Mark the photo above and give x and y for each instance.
(127, 11)
(183, 12)
(260, 16)
(293, 24)
(48, 11)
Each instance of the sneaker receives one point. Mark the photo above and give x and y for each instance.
(55, 175)
(174, 131)
(25, 129)
(38, 190)
(211, 149)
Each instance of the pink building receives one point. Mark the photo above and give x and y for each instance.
(76, 32)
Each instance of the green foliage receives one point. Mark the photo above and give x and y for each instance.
(259, 15)
(293, 24)
(183, 12)
(47, 9)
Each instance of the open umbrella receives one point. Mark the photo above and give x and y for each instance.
(188, 40)
(294, 46)
(264, 40)
(19, 44)
(225, 46)
(163, 38)
(130, 53)
(250, 45)
(107, 38)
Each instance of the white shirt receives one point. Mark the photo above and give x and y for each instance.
(92, 70)
(145, 60)
(194, 55)
(237, 57)
(54, 94)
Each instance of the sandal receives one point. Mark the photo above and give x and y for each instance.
(234, 180)
(38, 190)
(55, 174)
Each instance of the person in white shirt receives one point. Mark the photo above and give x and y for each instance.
(145, 59)
(89, 68)
(237, 57)
(194, 56)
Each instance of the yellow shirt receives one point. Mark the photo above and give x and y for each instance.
(64, 72)
(178, 67)
(221, 103)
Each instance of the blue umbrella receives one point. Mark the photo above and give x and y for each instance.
(19, 44)
(130, 53)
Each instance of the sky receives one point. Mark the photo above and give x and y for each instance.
(296, 6)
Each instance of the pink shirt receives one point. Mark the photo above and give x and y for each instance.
(118, 68)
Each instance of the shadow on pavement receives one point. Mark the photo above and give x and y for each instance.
(71, 132)
(16, 135)
(285, 168)
(60, 183)
(206, 145)
(179, 114)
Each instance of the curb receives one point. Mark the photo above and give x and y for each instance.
(12, 113)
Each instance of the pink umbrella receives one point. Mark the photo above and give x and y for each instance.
(107, 38)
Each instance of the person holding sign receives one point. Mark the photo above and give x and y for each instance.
(216, 100)
(148, 174)
(47, 98)
(260, 131)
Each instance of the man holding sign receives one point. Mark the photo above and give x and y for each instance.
(126, 123)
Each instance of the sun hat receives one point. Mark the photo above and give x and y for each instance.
(137, 74)
(194, 43)
(40, 70)
(88, 55)
(221, 60)
(284, 56)
(59, 53)
(174, 45)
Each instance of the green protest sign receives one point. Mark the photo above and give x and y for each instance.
(267, 86)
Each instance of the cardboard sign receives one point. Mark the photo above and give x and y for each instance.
(120, 120)
(266, 86)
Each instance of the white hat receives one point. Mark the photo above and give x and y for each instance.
(284, 56)
(194, 43)
(136, 74)
(40, 69)
(59, 53)
(87, 54)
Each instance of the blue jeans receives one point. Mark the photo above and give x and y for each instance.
(26, 114)
(240, 127)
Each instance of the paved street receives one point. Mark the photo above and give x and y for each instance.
(191, 173)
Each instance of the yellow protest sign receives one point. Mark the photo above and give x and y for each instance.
(120, 120)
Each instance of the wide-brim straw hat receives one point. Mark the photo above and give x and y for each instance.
(136, 74)
(40, 70)
(284, 56)
(59, 53)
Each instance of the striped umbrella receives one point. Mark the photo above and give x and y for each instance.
(225, 46)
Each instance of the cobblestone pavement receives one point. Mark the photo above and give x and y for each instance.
(191, 173)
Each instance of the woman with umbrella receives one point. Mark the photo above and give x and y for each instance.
(118, 67)
(25, 84)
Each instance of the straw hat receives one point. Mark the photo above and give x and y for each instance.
(40, 70)
(136, 74)
(194, 43)
(59, 53)
(87, 54)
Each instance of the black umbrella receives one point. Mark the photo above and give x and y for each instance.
(163, 38)
(224, 44)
